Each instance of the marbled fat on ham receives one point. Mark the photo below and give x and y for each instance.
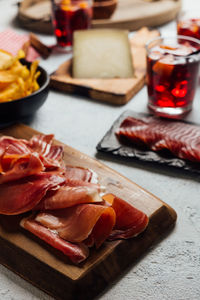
(18, 146)
(82, 174)
(51, 155)
(181, 139)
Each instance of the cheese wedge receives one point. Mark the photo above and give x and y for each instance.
(102, 53)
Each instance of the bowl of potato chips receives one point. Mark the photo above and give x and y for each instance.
(24, 86)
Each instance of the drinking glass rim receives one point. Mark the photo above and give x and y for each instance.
(183, 37)
(185, 12)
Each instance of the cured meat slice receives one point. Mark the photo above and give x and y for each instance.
(41, 143)
(76, 252)
(129, 220)
(19, 166)
(16, 160)
(51, 155)
(77, 223)
(22, 195)
(67, 196)
(102, 229)
(181, 139)
(18, 145)
(82, 174)
(72, 182)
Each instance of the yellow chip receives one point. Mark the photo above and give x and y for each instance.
(9, 92)
(20, 70)
(6, 78)
(6, 60)
(33, 68)
(16, 80)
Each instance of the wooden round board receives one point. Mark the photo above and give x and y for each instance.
(35, 15)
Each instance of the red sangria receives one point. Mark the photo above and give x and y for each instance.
(188, 24)
(172, 75)
(68, 16)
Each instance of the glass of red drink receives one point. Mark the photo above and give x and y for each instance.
(68, 16)
(188, 23)
(172, 74)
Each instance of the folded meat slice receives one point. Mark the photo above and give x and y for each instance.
(67, 196)
(16, 160)
(51, 155)
(22, 195)
(20, 167)
(77, 223)
(79, 173)
(129, 220)
(76, 252)
(18, 145)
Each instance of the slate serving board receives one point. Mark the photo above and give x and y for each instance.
(51, 271)
(111, 145)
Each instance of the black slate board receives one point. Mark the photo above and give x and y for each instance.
(110, 144)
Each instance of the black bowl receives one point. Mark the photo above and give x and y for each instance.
(24, 107)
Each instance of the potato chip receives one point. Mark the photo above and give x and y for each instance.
(9, 93)
(7, 76)
(6, 60)
(16, 80)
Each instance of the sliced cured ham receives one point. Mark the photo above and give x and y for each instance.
(181, 139)
(82, 174)
(41, 143)
(77, 223)
(22, 195)
(129, 220)
(72, 182)
(51, 155)
(67, 196)
(17, 145)
(102, 229)
(76, 252)
(71, 214)
(16, 160)
(15, 167)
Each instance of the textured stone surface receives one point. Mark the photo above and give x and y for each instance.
(170, 270)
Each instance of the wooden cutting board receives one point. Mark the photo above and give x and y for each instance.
(116, 91)
(35, 15)
(133, 14)
(50, 271)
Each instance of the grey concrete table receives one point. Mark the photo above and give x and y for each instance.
(171, 270)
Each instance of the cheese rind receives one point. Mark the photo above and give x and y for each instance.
(102, 53)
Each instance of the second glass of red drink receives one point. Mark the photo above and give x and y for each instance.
(172, 75)
(68, 16)
(188, 23)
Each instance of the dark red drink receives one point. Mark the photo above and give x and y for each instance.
(188, 23)
(189, 27)
(69, 16)
(172, 74)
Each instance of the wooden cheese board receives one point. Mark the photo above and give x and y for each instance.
(116, 91)
(48, 270)
(35, 15)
